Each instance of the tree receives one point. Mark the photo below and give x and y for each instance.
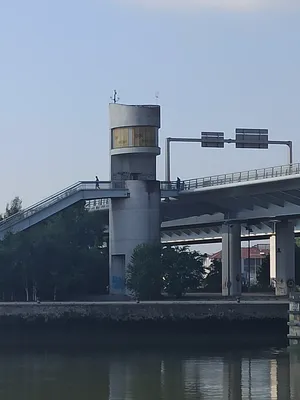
(173, 269)
(213, 281)
(14, 207)
(183, 270)
(63, 257)
(263, 274)
(145, 272)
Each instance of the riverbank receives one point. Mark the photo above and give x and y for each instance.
(205, 316)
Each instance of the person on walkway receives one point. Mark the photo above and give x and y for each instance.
(178, 183)
(97, 183)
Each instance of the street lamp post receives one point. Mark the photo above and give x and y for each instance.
(245, 138)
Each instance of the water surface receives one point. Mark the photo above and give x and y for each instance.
(179, 371)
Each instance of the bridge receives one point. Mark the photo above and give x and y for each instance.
(196, 210)
(80, 191)
(260, 201)
(257, 202)
(193, 211)
(188, 233)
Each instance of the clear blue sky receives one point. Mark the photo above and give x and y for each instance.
(215, 67)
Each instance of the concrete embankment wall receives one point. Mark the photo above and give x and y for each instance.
(204, 315)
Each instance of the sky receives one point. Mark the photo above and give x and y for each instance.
(216, 64)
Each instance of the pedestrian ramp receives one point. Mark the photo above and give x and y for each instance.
(84, 190)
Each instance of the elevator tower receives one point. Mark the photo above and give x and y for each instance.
(134, 220)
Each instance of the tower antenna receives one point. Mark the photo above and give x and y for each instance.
(115, 98)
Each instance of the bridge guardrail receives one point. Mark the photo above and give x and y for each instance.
(96, 204)
(244, 176)
(173, 185)
(216, 180)
(51, 200)
(100, 204)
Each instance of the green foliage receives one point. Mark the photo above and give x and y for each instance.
(61, 258)
(180, 270)
(183, 270)
(144, 273)
(213, 281)
(263, 274)
(13, 208)
(174, 270)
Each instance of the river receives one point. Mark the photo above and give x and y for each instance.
(182, 370)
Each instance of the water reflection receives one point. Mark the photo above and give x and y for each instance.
(295, 375)
(155, 375)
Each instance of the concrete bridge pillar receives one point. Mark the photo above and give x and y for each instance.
(282, 256)
(273, 258)
(231, 260)
(134, 220)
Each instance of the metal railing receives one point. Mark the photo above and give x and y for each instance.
(102, 204)
(97, 204)
(244, 176)
(191, 184)
(57, 197)
(169, 185)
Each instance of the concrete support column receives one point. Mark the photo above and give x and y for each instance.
(282, 256)
(272, 258)
(132, 221)
(231, 260)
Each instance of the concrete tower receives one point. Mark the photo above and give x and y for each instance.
(134, 220)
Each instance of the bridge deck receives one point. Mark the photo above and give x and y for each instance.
(97, 196)
(281, 171)
(84, 190)
(89, 191)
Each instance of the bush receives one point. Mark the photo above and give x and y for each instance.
(175, 270)
(183, 270)
(213, 281)
(144, 273)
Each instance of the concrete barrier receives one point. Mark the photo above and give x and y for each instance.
(144, 312)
